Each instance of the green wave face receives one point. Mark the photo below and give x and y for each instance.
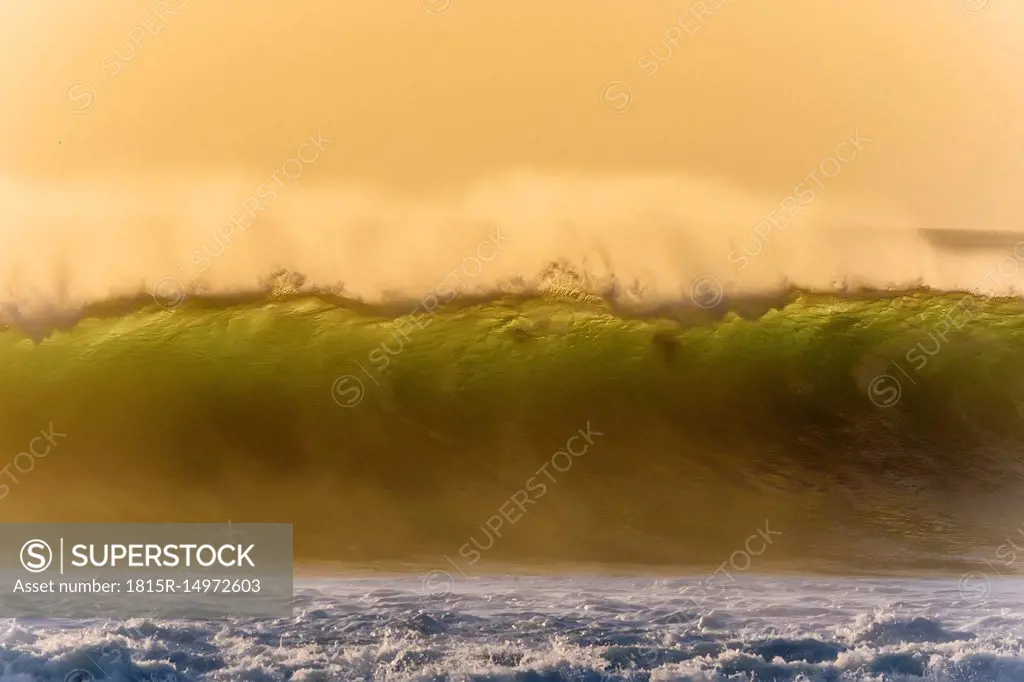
(870, 432)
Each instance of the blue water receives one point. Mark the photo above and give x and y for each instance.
(416, 627)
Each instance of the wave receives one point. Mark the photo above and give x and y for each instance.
(869, 429)
(655, 237)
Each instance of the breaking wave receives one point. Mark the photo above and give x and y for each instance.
(874, 428)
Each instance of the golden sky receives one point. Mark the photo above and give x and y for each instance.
(420, 96)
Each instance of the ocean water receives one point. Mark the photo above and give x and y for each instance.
(570, 627)
(874, 430)
(854, 434)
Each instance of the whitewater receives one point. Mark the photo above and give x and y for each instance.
(443, 626)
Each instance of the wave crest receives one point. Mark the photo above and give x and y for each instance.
(315, 408)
